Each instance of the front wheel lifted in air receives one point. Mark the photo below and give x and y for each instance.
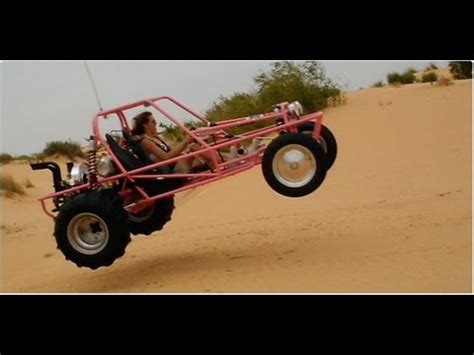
(294, 164)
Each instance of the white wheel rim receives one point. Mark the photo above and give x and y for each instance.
(88, 233)
(294, 165)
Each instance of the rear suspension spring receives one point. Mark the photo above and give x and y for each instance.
(92, 157)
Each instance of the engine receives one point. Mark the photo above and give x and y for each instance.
(294, 109)
(106, 166)
(79, 171)
(77, 174)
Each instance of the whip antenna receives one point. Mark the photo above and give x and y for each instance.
(93, 86)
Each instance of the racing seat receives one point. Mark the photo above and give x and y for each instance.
(130, 160)
(133, 144)
(126, 157)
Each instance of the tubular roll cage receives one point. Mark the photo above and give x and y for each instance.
(215, 129)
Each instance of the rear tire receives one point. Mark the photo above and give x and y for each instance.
(326, 140)
(92, 229)
(294, 164)
(155, 217)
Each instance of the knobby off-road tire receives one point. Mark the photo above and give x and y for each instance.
(156, 216)
(92, 229)
(326, 140)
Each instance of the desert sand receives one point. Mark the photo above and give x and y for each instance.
(393, 216)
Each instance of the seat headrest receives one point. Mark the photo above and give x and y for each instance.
(128, 160)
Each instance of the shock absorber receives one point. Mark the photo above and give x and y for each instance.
(92, 157)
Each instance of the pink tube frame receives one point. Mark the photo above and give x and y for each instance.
(224, 169)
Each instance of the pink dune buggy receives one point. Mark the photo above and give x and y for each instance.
(104, 200)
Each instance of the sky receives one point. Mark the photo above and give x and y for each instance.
(42, 101)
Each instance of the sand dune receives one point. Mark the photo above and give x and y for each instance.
(394, 215)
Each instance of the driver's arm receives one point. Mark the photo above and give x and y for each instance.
(152, 148)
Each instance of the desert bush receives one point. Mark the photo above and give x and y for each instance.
(5, 158)
(38, 157)
(10, 187)
(461, 70)
(393, 78)
(285, 81)
(429, 77)
(22, 157)
(68, 148)
(408, 77)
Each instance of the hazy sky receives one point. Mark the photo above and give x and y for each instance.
(54, 100)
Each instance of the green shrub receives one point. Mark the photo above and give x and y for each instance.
(5, 158)
(408, 77)
(461, 70)
(67, 148)
(393, 78)
(429, 77)
(285, 81)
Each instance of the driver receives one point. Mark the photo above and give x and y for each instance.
(144, 125)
